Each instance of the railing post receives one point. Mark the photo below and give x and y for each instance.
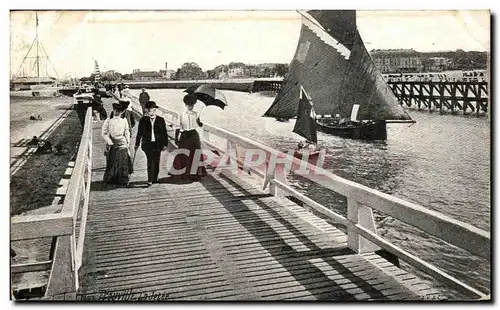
(206, 136)
(74, 255)
(277, 173)
(225, 161)
(362, 215)
(61, 278)
(229, 147)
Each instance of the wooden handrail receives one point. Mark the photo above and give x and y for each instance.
(417, 262)
(31, 267)
(40, 226)
(68, 251)
(442, 226)
(463, 235)
(472, 239)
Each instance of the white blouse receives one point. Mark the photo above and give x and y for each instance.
(115, 131)
(187, 120)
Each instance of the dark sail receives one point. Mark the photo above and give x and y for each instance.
(337, 23)
(318, 67)
(306, 120)
(332, 63)
(364, 85)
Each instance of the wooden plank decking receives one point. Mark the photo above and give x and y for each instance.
(222, 239)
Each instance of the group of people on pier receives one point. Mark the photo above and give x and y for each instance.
(152, 137)
(95, 102)
(115, 88)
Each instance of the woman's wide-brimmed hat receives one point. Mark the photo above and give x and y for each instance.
(118, 106)
(151, 105)
(124, 104)
(190, 99)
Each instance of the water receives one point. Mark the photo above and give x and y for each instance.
(442, 162)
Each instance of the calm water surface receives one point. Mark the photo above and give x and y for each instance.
(442, 163)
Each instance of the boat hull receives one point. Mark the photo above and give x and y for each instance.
(283, 120)
(312, 155)
(42, 93)
(374, 130)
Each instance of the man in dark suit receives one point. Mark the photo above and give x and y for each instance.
(143, 99)
(152, 132)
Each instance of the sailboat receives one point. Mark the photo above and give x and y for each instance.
(351, 98)
(305, 125)
(27, 83)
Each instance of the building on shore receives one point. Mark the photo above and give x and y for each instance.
(236, 72)
(220, 72)
(397, 60)
(241, 70)
(409, 60)
(251, 71)
(223, 75)
(139, 75)
(436, 64)
(167, 74)
(266, 69)
(112, 75)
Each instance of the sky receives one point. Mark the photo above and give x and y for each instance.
(145, 40)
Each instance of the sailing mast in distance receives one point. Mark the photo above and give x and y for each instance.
(305, 124)
(41, 76)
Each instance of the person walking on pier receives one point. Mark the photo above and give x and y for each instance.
(143, 99)
(81, 110)
(116, 133)
(120, 87)
(127, 114)
(152, 132)
(98, 110)
(189, 140)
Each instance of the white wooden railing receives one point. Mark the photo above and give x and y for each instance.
(68, 251)
(361, 200)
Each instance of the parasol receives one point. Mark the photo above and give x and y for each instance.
(208, 94)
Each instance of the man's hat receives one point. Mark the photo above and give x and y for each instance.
(151, 105)
(190, 99)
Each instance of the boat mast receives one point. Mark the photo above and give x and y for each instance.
(37, 55)
(39, 49)
(97, 72)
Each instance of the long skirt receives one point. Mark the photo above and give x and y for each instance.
(189, 140)
(118, 166)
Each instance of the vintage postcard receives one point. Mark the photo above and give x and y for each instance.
(252, 155)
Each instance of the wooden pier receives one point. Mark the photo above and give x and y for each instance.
(228, 237)
(465, 97)
(444, 96)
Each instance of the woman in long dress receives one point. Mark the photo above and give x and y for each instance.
(115, 132)
(189, 139)
(127, 114)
